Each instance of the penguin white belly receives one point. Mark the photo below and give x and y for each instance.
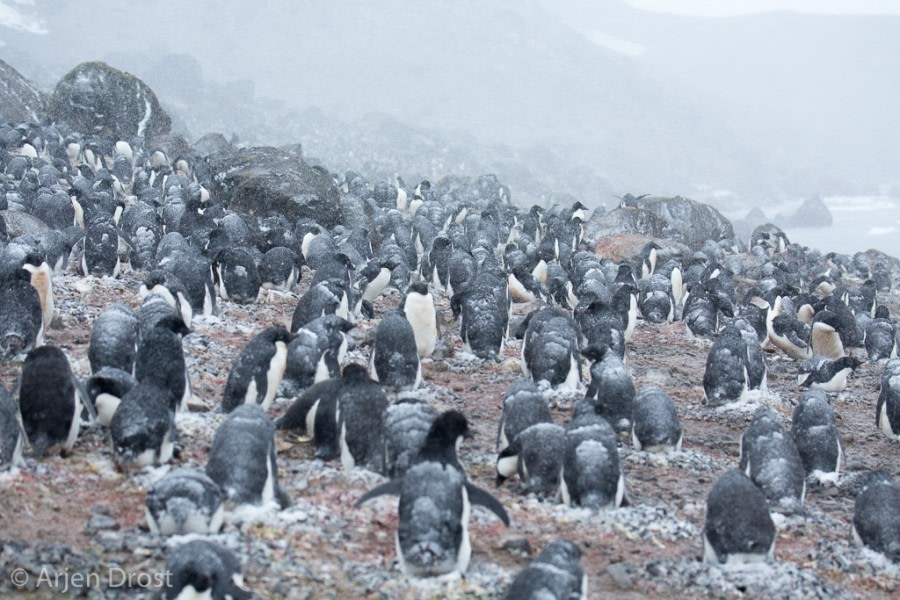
(508, 466)
(574, 376)
(883, 421)
(635, 442)
(464, 553)
(189, 593)
(277, 367)
(321, 370)
(518, 291)
(377, 285)
(187, 311)
(106, 408)
(564, 489)
(421, 315)
(268, 491)
(540, 271)
(347, 460)
(252, 393)
(311, 420)
(76, 423)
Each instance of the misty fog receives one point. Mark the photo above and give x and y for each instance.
(591, 99)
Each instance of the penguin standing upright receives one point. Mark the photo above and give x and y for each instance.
(739, 528)
(257, 371)
(887, 410)
(550, 348)
(114, 338)
(160, 360)
(592, 474)
(242, 458)
(418, 306)
(40, 277)
(204, 569)
(395, 357)
(406, 424)
(49, 400)
(21, 317)
(817, 437)
(360, 420)
(101, 250)
(725, 377)
(611, 390)
(435, 501)
(142, 429)
(770, 459)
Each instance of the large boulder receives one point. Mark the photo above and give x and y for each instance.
(624, 219)
(689, 221)
(629, 247)
(97, 99)
(263, 180)
(20, 99)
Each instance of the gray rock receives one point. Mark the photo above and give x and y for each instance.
(689, 221)
(20, 99)
(95, 98)
(264, 180)
(624, 220)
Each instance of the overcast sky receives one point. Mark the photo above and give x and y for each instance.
(721, 8)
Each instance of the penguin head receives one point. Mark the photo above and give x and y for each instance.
(277, 334)
(445, 436)
(882, 312)
(419, 287)
(355, 372)
(173, 323)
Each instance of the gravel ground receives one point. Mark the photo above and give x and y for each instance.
(78, 515)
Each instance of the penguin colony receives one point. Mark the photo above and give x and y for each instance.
(442, 270)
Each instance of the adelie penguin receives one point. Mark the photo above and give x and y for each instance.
(611, 391)
(418, 306)
(725, 377)
(820, 373)
(314, 413)
(656, 424)
(101, 250)
(315, 353)
(257, 371)
(825, 335)
(406, 423)
(435, 502)
(592, 474)
(536, 456)
(395, 358)
(172, 289)
(11, 438)
(876, 515)
(160, 360)
(554, 574)
(237, 276)
(105, 390)
(887, 410)
(40, 278)
(881, 336)
(360, 420)
(21, 317)
(142, 429)
(114, 338)
(771, 460)
(739, 528)
(279, 269)
(204, 569)
(523, 406)
(817, 437)
(185, 501)
(550, 348)
(50, 401)
(242, 458)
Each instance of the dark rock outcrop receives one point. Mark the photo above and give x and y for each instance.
(689, 221)
(624, 219)
(20, 99)
(95, 98)
(264, 180)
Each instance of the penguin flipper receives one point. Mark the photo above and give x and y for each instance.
(85, 399)
(483, 498)
(392, 487)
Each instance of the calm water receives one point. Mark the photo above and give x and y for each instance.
(860, 223)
